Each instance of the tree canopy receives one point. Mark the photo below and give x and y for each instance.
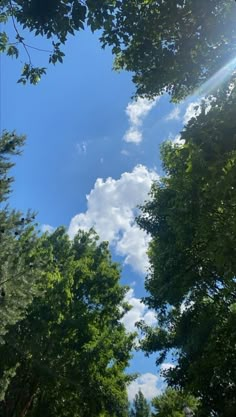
(172, 46)
(191, 219)
(63, 348)
(169, 46)
(70, 351)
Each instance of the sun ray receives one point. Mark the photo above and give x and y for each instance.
(217, 79)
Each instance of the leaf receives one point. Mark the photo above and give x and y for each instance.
(12, 51)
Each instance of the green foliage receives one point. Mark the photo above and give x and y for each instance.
(71, 349)
(31, 74)
(21, 256)
(140, 408)
(20, 253)
(192, 286)
(54, 20)
(173, 403)
(169, 46)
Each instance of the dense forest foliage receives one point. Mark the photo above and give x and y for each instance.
(63, 348)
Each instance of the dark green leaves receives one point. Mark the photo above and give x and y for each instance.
(191, 219)
(12, 51)
(168, 46)
(57, 54)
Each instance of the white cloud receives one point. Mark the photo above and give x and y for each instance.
(166, 366)
(136, 111)
(133, 135)
(174, 114)
(47, 228)
(178, 141)
(138, 312)
(193, 110)
(111, 210)
(147, 383)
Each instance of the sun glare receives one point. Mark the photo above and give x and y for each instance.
(217, 79)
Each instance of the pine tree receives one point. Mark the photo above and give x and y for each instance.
(140, 408)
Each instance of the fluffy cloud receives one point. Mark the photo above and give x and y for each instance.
(174, 114)
(147, 383)
(133, 135)
(193, 110)
(111, 210)
(138, 312)
(136, 111)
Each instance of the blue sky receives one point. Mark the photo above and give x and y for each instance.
(86, 137)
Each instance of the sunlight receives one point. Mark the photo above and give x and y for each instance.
(217, 79)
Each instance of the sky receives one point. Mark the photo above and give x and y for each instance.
(90, 158)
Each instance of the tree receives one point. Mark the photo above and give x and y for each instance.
(191, 219)
(20, 253)
(169, 46)
(71, 350)
(140, 408)
(53, 20)
(173, 403)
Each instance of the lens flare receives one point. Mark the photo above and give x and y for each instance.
(217, 79)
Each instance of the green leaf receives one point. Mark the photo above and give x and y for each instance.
(12, 51)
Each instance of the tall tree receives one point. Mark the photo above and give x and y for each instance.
(141, 407)
(71, 350)
(168, 45)
(173, 403)
(191, 284)
(20, 253)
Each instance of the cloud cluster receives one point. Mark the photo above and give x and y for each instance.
(111, 210)
(136, 111)
(147, 383)
(138, 312)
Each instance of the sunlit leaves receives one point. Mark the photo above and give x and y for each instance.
(31, 74)
(72, 340)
